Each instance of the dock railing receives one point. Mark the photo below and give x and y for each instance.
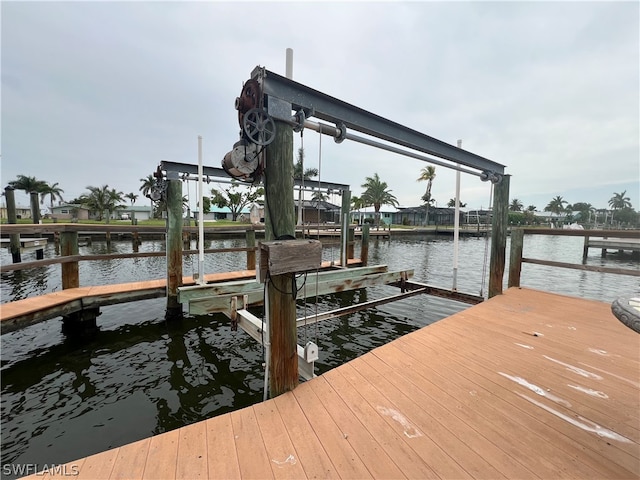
(517, 259)
(69, 237)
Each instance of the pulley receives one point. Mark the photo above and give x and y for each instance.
(243, 162)
(258, 127)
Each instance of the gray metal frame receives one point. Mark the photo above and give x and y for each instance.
(279, 89)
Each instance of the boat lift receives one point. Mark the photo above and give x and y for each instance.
(269, 101)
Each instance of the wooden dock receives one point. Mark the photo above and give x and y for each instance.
(619, 244)
(525, 385)
(32, 310)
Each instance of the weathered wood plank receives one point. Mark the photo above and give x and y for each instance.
(285, 462)
(311, 454)
(131, 460)
(163, 456)
(221, 303)
(221, 449)
(192, 460)
(254, 459)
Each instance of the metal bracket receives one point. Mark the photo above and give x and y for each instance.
(342, 129)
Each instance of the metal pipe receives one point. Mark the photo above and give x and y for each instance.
(336, 133)
(456, 228)
(200, 216)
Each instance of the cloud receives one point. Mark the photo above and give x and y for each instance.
(100, 92)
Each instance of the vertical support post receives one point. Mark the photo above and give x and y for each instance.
(499, 235)
(251, 254)
(12, 218)
(585, 249)
(35, 207)
(351, 239)
(515, 259)
(174, 244)
(364, 250)
(280, 223)
(344, 231)
(69, 246)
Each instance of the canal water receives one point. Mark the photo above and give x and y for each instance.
(63, 399)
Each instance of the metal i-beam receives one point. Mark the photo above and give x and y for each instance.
(279, 89)
(179, 167)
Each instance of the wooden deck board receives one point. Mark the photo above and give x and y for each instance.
(463, 398)
(221, 449)
(162, 456)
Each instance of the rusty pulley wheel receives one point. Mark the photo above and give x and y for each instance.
(249, 98)
(259, 127)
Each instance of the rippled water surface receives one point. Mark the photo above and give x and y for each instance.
(139, 376)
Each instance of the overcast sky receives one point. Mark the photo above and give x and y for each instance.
(99, 93)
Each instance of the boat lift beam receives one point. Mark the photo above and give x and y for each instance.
(223, 177)
(282, 96)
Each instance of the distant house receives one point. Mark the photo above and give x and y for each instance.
(139, 212)
(387, 213)
(224, 213)
(21, 211)
(410, 215)
(68, 211)
(318, 211)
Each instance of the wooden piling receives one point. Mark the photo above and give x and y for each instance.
(364, 249)
(280, 224)
(174, 245)
(35, 207)
(515, 259)
(344, 231)
(585, 249)
(499, 235)
(69, 246)
(251, 243)
(12, 218)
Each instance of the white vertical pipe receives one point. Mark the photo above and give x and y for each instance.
(289, 64)
(456, 228)
(200, 216)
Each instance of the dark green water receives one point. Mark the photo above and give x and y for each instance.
(140, 376)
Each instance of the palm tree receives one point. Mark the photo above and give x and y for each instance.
(357, 203)
(516, 205)
(300, 173)
(618, 202)
(114, 201)
(319, 196)
(427, 174)
(556, 205)
(376, 194)
(147, 185)
(132, 197)
(532, 208)
(53, 191)
(32, 187)
(452, 203)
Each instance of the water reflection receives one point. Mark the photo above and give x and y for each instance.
(140, 375)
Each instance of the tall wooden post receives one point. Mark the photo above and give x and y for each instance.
(364, 250)
(345, 210)
(12, 217)
(280, 223)
(515, 259)
(251, 243)
(174, 244)
(499, 235)
(69, 246)
(35, 207)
